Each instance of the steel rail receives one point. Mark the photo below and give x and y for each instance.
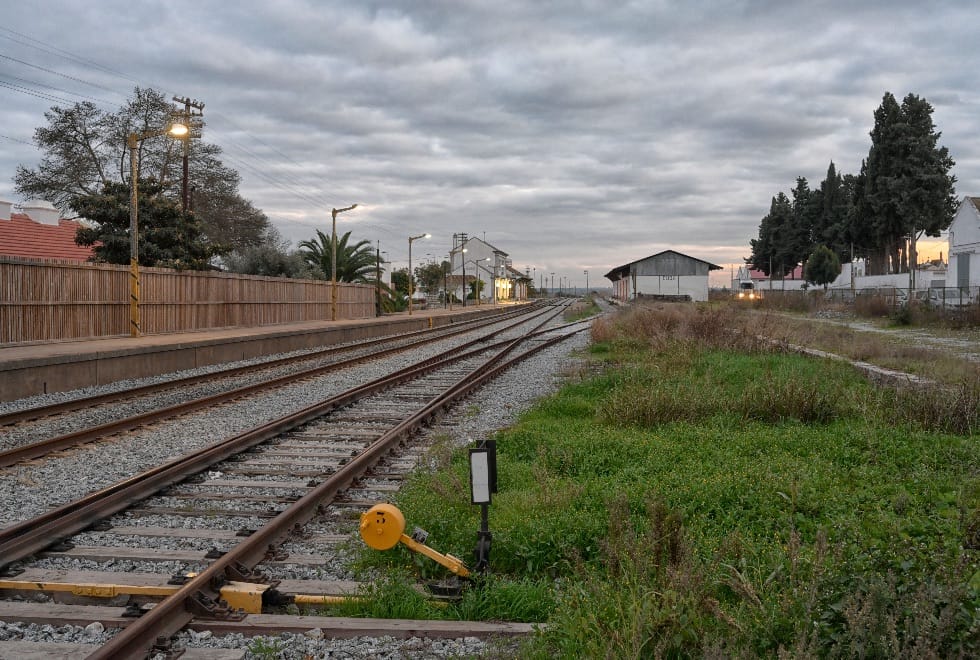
(27, 537)
(171, 614)
(187, 381)
(83, 436)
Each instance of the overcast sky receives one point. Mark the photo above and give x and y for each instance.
(572, 135)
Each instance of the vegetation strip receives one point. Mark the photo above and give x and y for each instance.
(704, 494)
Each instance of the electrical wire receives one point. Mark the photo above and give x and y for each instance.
(248, 159)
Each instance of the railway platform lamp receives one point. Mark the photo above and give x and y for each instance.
(333, 260)
(176, 130)
(411, 276)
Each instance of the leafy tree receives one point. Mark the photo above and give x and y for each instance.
(355, 263)
(431, 276)
(822, 267)
(271, 258)
(167, 237)
(399, 282)
(84, 149)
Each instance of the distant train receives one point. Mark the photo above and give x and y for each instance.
(746, 291)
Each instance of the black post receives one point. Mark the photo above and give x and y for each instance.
(377, 283)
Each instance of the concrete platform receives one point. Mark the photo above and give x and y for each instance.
(32, 369)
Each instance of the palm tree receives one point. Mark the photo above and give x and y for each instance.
(355, 263)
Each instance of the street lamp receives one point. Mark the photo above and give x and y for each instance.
(132, 142)
(462, 259)
(333, 261)
(447, 301)
(552, 292)
(476, 288)
(411, 289)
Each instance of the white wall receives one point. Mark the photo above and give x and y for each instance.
(964, 244)
(695, 286)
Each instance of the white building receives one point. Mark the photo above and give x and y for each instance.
(478, 259)
(667, 275)
(964, 246)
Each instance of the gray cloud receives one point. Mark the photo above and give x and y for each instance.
(574, 134)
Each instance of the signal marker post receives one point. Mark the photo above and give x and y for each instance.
(483, 482)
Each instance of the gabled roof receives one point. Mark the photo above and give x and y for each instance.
(22, 237)
(619, 272)
(480, 240)
(513, 273)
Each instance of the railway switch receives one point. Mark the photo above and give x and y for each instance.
(383, 527)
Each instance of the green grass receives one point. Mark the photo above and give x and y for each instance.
(699, 499)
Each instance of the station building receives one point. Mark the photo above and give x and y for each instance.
(667, 275)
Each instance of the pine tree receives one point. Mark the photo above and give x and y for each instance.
(907, 188)
(773, 251)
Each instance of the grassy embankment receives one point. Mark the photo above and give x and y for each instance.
(703, 495)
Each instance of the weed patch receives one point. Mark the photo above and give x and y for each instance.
(706, 496)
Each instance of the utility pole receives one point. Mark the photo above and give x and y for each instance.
(377, 280)
(194, 131)
(462, 251)
(333, 260)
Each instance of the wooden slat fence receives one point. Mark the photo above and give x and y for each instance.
(43, 300)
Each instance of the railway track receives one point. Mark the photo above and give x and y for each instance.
(309, 366)
(235, 507)
(186, 382)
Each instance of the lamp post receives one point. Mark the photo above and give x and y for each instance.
(452, 268)
(476, 288)
(447, 299)
(411, 289)
(333, 260)
(132, 142)
(552, 292)
(586, 282)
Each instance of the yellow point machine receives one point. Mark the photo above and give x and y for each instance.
(383, 527)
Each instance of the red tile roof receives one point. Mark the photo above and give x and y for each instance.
(797, 274)
(22, 237)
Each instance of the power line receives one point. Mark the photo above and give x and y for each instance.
(13, 139)
(286, 183)
(33, 92)
(56, 73)
(58, 89)
(54, 50)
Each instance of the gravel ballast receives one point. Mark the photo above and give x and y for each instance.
(489, 409)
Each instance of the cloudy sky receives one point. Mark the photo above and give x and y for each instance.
(572, 135)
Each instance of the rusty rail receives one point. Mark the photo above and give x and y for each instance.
(174, 613)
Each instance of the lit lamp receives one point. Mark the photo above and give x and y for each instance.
(411, 289)
(132, 142)
(333, 261)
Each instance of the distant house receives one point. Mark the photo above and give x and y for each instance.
(964, 245)
(667, 275)
(483, 262)
(792, 280)
(39, 233)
